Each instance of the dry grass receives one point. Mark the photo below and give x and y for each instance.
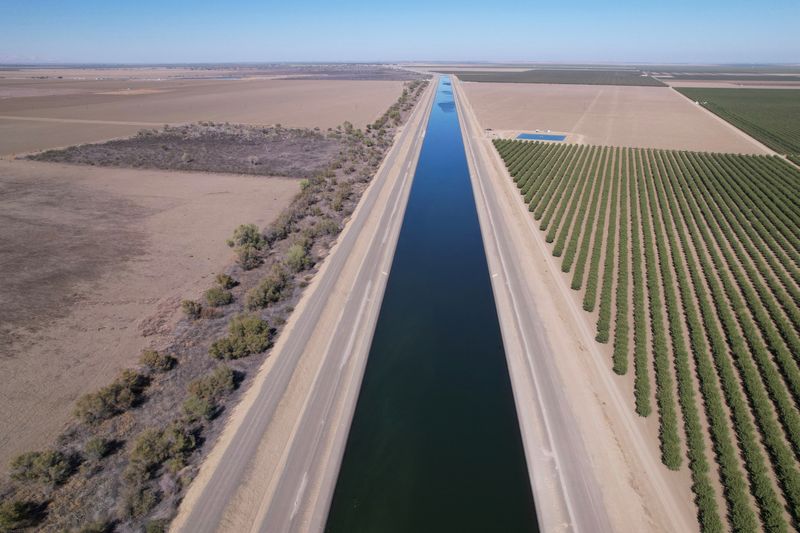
(95, 262)
(240, 149)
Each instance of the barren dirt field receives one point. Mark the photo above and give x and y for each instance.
(647, 117)
(37, 114)
(95, 263)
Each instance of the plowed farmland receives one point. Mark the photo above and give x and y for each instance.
(689, 265)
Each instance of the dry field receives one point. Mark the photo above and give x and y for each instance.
(647, 117)
(38, 114)
(95, 262)
(119, 73)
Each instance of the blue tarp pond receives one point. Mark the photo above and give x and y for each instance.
(540, 137)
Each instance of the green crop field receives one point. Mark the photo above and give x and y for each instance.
(713, 76)
(692, 261)
(770, 115)
(561, 75)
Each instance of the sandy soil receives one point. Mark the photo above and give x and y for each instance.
(79, 111)
(95, 263)
(22, 136)
(114, 73)
(651, 117)
(739, 84)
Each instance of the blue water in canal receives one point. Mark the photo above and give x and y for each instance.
(435, 444)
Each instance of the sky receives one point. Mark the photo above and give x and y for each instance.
(195, 31)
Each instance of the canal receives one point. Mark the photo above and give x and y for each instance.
(435, 444)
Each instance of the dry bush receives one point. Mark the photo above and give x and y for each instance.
(16, 515)
(217, 296)
(157, 361)
(225, 281)
(297, 258)
(139, 501)
(206, 392)
(155, 447)
(191, 309)
(97, 448)
(271, 289)
(113, 399)
(248, 334)
(247, 235)
(50, 467)
(248, 257)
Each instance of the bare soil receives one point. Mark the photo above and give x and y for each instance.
(95, 263)
(211, 147)
(646, 117)
(342, 71)
(54, 113)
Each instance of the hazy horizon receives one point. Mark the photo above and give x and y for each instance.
(246, 31)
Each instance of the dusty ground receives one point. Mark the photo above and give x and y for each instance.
(37, 114)
(349, 71)
(652, 117)
(95, 262)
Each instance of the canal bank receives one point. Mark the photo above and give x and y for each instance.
(594, 470)
(434, 443)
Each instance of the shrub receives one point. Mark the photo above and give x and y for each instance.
(297, 258)
(156, 526)
(271, 289)
(192, 309)
(51, 467)
(248, 334)
(248, 257)
(97, 448)
(195, 409)
(206, 391)
(99, 526)
(18, 514)
(324, 226)
(215, 385)
(157, 361)
(225, 281)
(247, 235)
(112, 400)
(217, 296)
(282, 226)
(153, 447)
(139, 501)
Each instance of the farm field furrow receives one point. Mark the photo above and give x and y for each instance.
(688, 264)
(769, 115)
